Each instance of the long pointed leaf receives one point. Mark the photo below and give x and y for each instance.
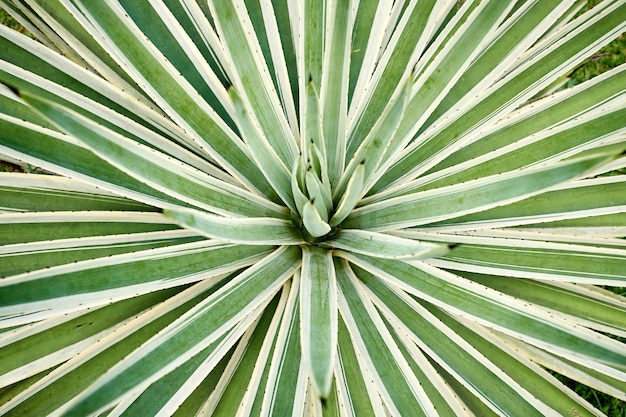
(318, 316)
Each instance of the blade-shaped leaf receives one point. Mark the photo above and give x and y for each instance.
(578, 201)
(385, 246)
(359, 397)
(524, 81)
(32, 192)
(73, 377)
(250, 71)
(268, 161)
(287, 377)
(125, 41)
(396, 384)
(251, 231)
(154, 168)
(318, 316)
(50, 291)
(517, 318)
(192, 333)
(240, 381)
(476, 372)
(478, 195)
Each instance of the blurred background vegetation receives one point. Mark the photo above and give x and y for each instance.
(610, 56)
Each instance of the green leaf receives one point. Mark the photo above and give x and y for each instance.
(192, 333)
(56, 341)
(313, 221)
(385, 246)
(360, 398)
(58, 153)
(380, 140)
(32, 192)
(250, 231)
(286, 384)
(24, 257)
(412, 34)
(582, 200)
(473, 196)
(98, 281)
(545, 113)
(335, 83)
(251, 76)
(486, 306)
(73, 377)
(468, 361)
(118, 33)
(543, 390)
(516, 34)
(395, 383)
(577, 264)
(157, 169)
(590, 306)
(266, 158)
(587, 375)
(584, 36)
(240, 380)
(599, 127)
(31, 227)
(318, 316)
(351, 197)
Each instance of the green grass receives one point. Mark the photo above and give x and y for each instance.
(7, 20)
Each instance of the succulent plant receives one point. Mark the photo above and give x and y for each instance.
(310, 207)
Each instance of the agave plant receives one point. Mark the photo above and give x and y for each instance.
(352, 208)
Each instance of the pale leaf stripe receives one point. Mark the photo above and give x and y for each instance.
(189, 334)
(175, 144)
(81, 61)
(49, 150)
(447, 67)
(403, 395)
(279, 62)
(156, 169)
(193, 53)
(286, 369)
(251, 231)
(583, 37)
(525, 321)
(318, 316)
(577, 200)
(34, 297)
(180, 388)
(123, 95)
(243, 377)
(160, 80)
(356, 395)
(385, 246)
(584, 374)
(459, 357)
(465, 198)
(251, 75)
(142, 320)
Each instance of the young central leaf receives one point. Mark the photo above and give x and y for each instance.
(310, 184)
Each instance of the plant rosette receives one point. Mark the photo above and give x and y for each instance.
(338, 208)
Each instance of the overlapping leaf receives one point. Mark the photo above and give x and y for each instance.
(309, 208)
